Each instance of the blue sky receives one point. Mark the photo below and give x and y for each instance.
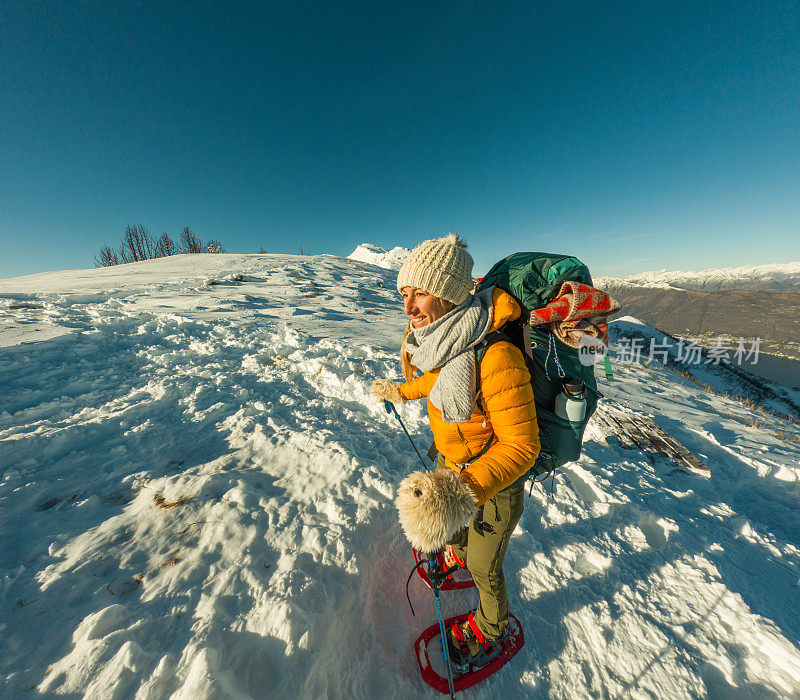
(635, 135)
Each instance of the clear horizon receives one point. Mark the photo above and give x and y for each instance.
(636, 136)
(478, 271)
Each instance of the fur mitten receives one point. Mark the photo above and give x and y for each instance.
(385, 389)
(433, 507)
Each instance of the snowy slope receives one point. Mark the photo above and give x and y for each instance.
(196, 501)
(390, 259)
(775, 277)
(730, 375)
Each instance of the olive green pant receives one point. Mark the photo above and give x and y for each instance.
(483, 545)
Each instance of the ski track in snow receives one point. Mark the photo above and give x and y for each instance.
(196, 501)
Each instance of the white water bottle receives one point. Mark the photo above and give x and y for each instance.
(571, 400)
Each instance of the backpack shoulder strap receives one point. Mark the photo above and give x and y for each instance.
(497, 336)
(489, 340)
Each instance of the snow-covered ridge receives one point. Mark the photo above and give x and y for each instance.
(311, 292)
(612, 284)
(774, 277)
(392, 259)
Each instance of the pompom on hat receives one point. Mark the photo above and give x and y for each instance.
(440, 266)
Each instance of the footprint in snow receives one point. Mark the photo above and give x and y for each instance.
(584, 484)
(655, 530)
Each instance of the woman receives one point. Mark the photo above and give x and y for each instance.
(484, 423)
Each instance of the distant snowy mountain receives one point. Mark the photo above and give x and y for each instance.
(775, 277)
(736, 311)
(196, 501)
(391, 260)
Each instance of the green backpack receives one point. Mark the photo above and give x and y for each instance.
(534, 279)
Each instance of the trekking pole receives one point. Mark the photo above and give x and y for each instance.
(391, 409)
(435, 583)
(432, 563)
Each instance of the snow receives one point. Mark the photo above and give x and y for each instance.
(196, 501)
(722, 374)
(773, 277)
(392, 259)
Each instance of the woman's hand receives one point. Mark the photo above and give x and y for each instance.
(387, 391)
(433, 506)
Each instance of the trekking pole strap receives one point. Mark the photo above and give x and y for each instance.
(408, 580)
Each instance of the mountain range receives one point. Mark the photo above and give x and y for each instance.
(750, 301)
(777, 277)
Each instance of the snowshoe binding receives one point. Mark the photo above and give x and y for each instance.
(458, 577)
(451, 559)
(469, 649)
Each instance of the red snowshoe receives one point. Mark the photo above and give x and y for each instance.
(467, 670)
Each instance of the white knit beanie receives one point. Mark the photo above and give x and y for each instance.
(440, 266)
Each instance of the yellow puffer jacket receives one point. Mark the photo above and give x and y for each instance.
(509, 420)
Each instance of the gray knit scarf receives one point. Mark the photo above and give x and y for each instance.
(448, 343)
